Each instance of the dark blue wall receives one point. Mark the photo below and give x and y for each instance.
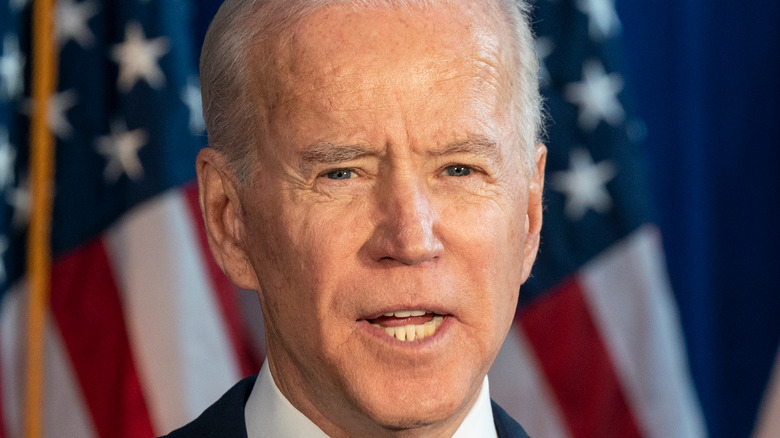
(705, 75)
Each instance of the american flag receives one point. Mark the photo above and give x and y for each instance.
(143, 330)
(596, 350)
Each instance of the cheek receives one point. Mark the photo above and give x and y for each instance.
(490, 230)
(486, 242)
(304, 250)
(329, 237)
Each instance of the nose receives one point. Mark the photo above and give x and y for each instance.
(407, 222)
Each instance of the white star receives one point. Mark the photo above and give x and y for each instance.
(19, 199)
(121, 150)
(3, 249)
(584, 184)
(603, 21)
(597, 96)
(11, 69)
(72, 22)
(191, 97)
(138, 58)
(7, 160)
(544, 48)
(59, 104)
(56, 119)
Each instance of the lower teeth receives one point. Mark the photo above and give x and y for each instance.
(409, 333)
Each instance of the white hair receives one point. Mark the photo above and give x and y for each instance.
(241, 26)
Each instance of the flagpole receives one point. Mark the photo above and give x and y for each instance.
(42, 144)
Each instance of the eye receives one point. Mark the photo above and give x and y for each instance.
(458, 170)
(340, 174)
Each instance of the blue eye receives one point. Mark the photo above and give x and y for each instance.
(340, 174)
(458, 170)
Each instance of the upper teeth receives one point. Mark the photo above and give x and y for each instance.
(413, 332)
(406, 313)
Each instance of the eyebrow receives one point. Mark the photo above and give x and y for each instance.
(324, 153)
(476, 145)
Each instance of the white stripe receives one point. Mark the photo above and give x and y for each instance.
(12, 342)
(769, 418)
(520, 388)
(176, 330)
(631, 301)
(65, 410)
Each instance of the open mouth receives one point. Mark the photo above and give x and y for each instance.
(408, 325)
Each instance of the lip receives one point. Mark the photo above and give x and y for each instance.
(435, 309)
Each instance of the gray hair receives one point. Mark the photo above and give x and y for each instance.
(231, 108)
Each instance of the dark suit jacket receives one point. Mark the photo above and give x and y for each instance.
(225, 418)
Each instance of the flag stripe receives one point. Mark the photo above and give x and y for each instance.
(175, 325)
(12, 335)
(225, 291)
(85, 301)
(66, 412)
(516, 383)
(641, 332)
(3, 400)
(575, 361)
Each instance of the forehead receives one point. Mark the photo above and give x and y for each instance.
(393, 33)
(345, 61)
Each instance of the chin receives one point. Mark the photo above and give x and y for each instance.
(418, 404)
(411, 417)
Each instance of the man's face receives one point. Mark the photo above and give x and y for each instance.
(390, 182)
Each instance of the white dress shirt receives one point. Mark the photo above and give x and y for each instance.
(269, 413)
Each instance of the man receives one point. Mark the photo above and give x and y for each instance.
(374, 175)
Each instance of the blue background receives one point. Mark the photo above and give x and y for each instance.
(705, 76)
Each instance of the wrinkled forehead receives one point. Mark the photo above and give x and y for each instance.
(334, 47)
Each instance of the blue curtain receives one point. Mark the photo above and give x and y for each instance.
(705, 76)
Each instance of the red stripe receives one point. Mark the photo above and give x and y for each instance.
(87, 308)
(577, 365)
(248, 359)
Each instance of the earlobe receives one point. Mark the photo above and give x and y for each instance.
(221, 209)
(533, 223)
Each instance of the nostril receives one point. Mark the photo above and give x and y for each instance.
(407, 261)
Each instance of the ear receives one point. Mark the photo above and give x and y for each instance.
(223, 217)
(533, 220)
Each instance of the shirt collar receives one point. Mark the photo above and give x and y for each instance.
(269, 413)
